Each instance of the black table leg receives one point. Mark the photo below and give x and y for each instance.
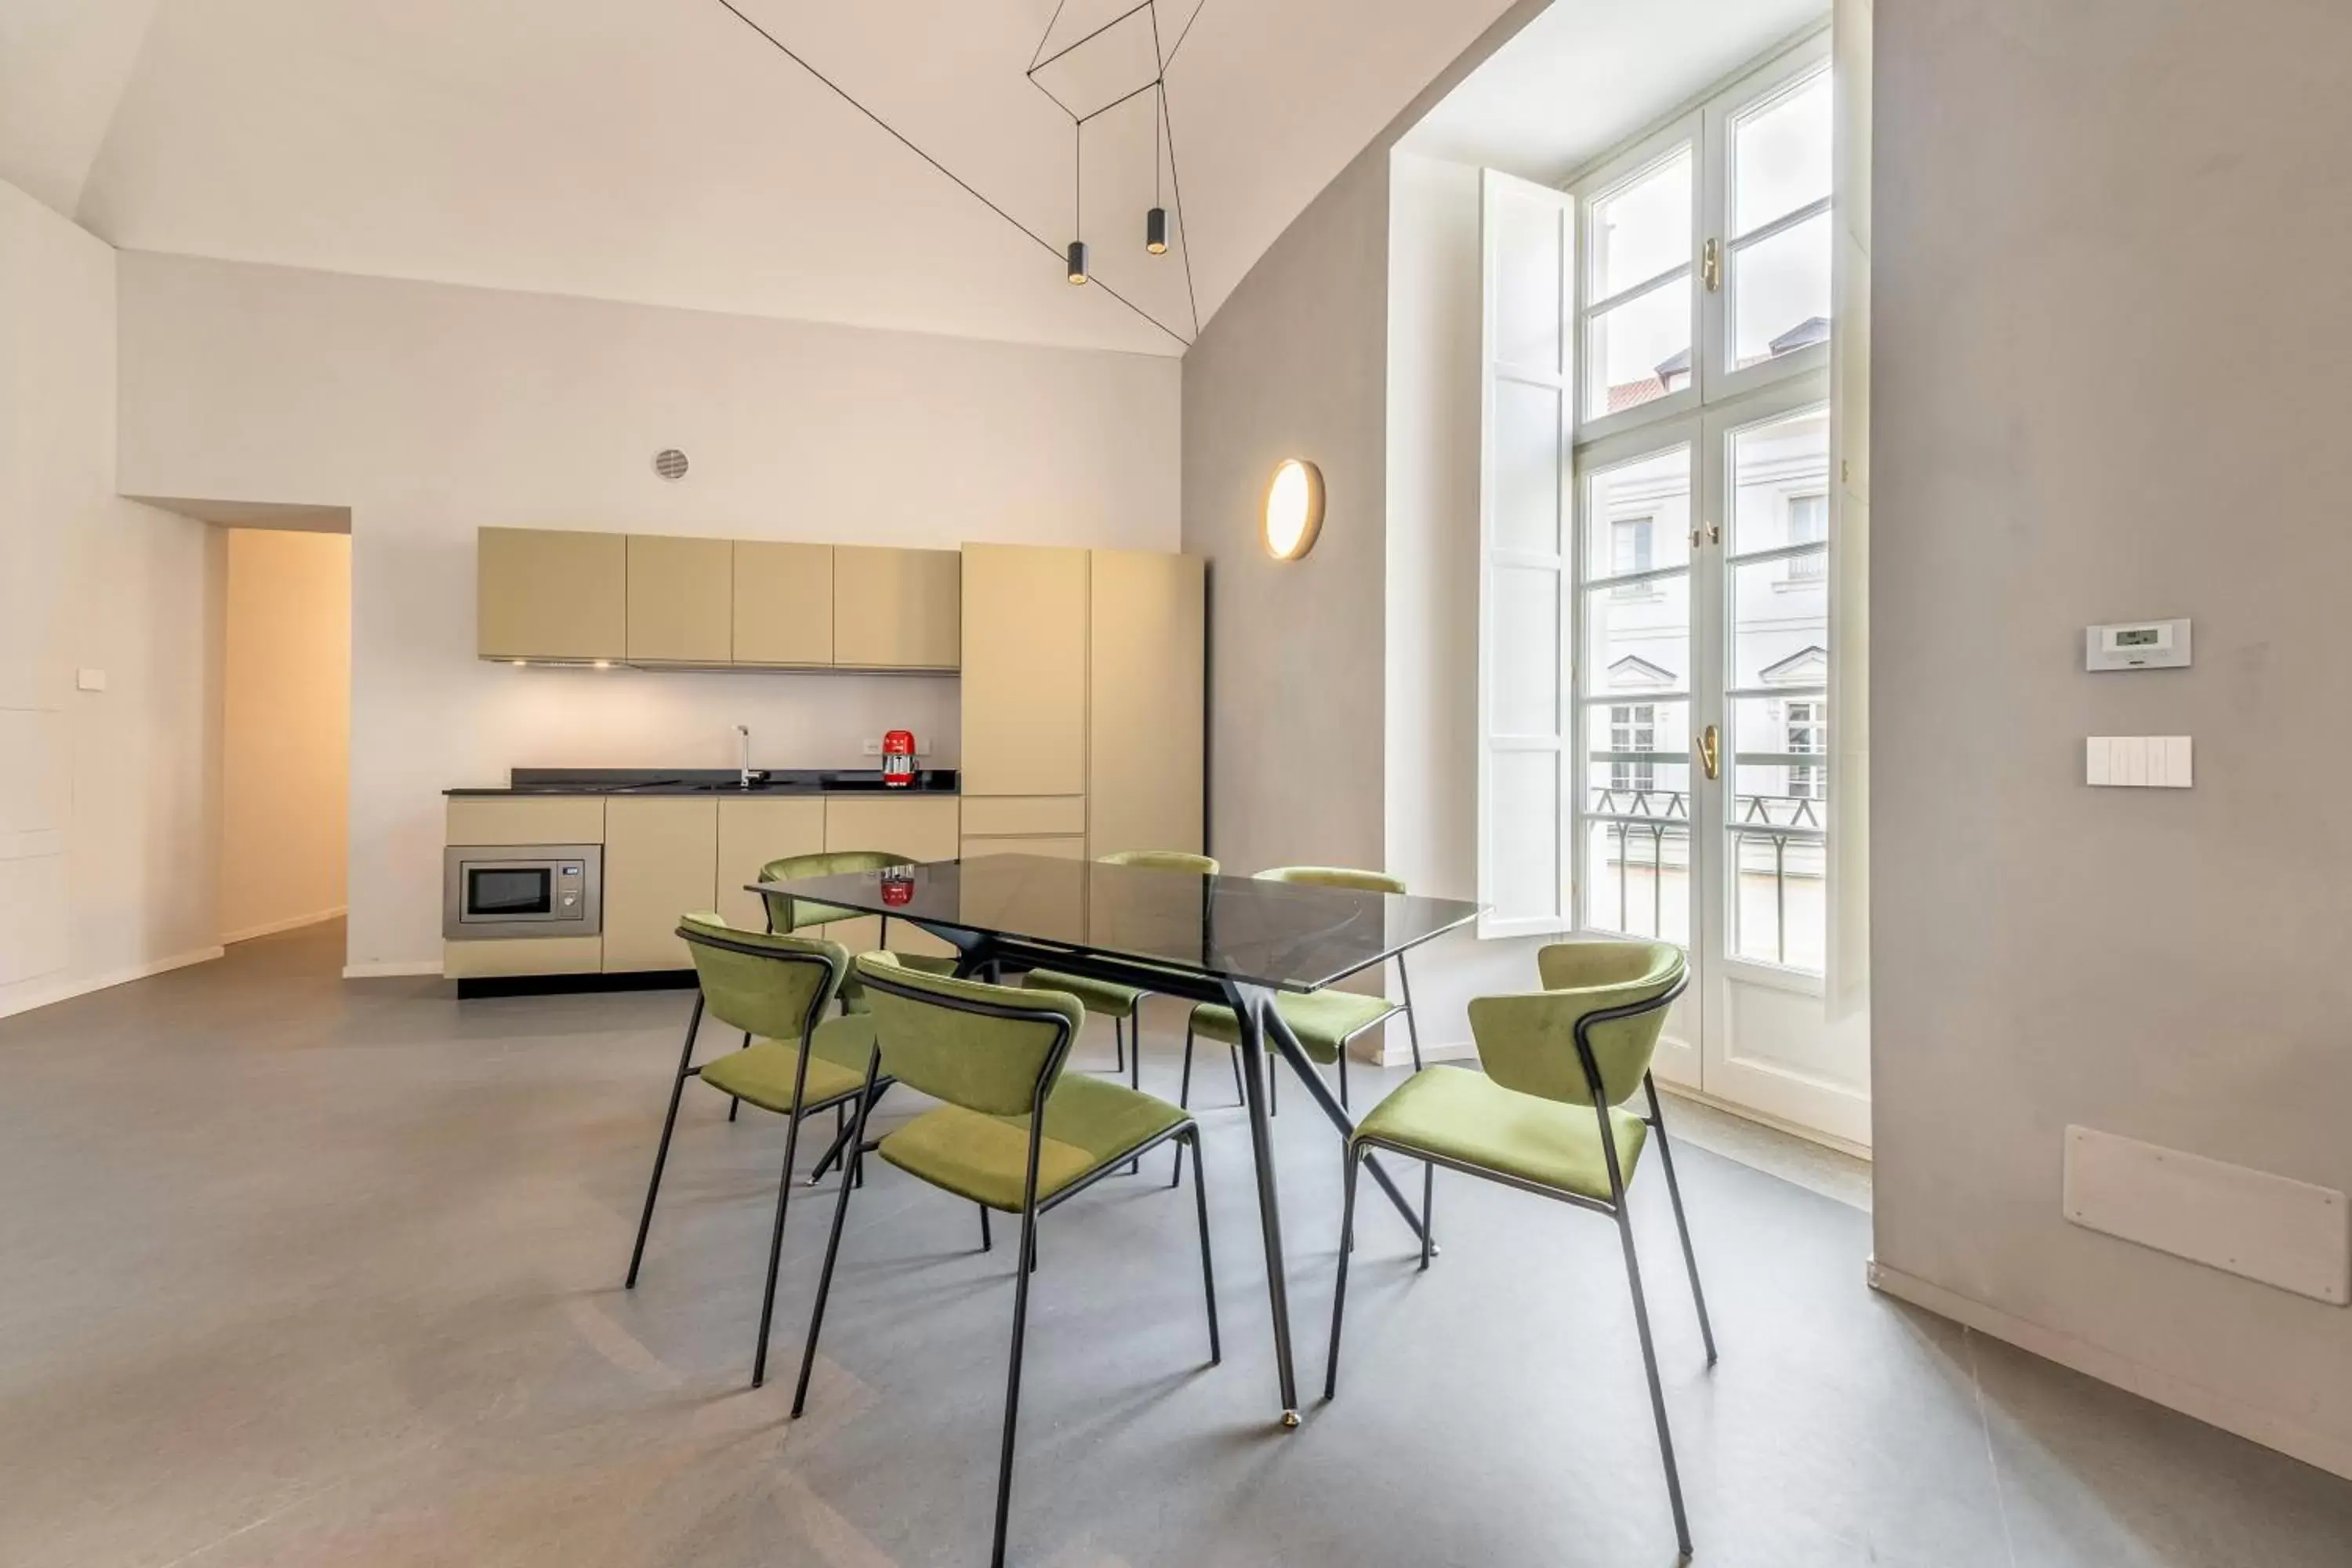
(1251, 1008)
(1287, 1044)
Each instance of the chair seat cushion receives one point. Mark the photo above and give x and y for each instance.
(1089, 1124)
(1323, 1020)
(853, 989)
(763, 1072)
(1465, 1116)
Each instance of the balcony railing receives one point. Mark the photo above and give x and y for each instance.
(1782, 837)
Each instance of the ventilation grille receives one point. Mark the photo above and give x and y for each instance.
(670, 463)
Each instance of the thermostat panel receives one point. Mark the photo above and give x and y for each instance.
(2136, 644)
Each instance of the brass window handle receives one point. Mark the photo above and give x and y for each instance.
(1708, 756)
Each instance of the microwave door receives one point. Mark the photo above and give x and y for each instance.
(509, 892)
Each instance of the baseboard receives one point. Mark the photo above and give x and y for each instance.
(2197, 1400)
(404, 969)
(66, 991)
(1397, 1050)
(272, 928)
(1763, 1119)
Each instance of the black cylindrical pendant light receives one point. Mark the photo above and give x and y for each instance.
(1155, 231)
(1077, 261)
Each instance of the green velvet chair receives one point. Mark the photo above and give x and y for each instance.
(1123, 1004)
(793, 1061)
(789, 914)
(1326, 1022)
(1548, 1116)
(1015, 1134)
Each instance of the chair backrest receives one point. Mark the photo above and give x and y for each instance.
(773, 986)
(1162, 861)
(787, 914)
(1334, 876)
(993, 1049)
(1527, 1042)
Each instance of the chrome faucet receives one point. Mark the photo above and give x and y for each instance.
(745, 732)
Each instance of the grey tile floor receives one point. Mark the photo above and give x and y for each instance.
(297, 1272)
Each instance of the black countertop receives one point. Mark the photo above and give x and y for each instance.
(721, 781)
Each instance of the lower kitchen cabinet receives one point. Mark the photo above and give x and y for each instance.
(750, 834)
(1059, 846)
(921, 827)
(661, 861)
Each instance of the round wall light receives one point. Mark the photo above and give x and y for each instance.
(1294, 509)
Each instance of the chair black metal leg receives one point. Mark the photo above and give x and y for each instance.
(1241, 1095)
(733, 1104)
(987, 1242)
(1208, 1266)
(1012, 1378)
(833, 1153)
(1343, 1075)
(1412, 1026)
(1675, 1195)
(1135, 1050)
(775, 1250)
(856, 1158)
(1657, 1391)
(1339, 1290)
(1118, 1049)
(1428, 1191)
(661, 1151)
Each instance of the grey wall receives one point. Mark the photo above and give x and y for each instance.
(1294, 365)
(2110, 353)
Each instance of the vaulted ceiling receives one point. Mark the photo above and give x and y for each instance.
(668, 152)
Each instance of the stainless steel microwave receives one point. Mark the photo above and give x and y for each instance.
(490, 890)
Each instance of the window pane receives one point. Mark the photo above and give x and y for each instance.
(1637, 759)
(1529, 466)
(1781, 155)
(1525, 676)
(1637, 879)
(1640, 350)
(1638, 646)
(1642, 229)
(1528, 285)
(1781, 293)
(1780, 483)
(1529, 874)
(1652, 491)
(1779, 626)
(1779, 804)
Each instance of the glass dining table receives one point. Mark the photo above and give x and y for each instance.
(1234, 941)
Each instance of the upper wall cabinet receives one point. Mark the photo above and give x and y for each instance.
(1024, 670)
(681, 600)
(649, 599)
(546, 594)
(897, 609)
(783, 602)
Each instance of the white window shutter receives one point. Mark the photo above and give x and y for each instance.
(1525, 539)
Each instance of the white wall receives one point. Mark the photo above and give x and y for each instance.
(286, 721)
(432, 410)
(108, 800)
(2108, 362)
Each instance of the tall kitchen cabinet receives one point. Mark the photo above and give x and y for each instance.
(1082, 701)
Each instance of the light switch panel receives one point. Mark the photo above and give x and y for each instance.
(2137, 761)
(90, 680)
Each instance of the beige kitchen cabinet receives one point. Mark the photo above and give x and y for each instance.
(1058, 846)
(550, 594)
(1145, 672)
(1024, 670)
(783, 602)
(897, 609)
(522, 956)
(750, 834)
(525, 819)
(920, 826)
(681, 600)
(661, 861)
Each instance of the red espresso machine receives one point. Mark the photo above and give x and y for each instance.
(898, 759)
